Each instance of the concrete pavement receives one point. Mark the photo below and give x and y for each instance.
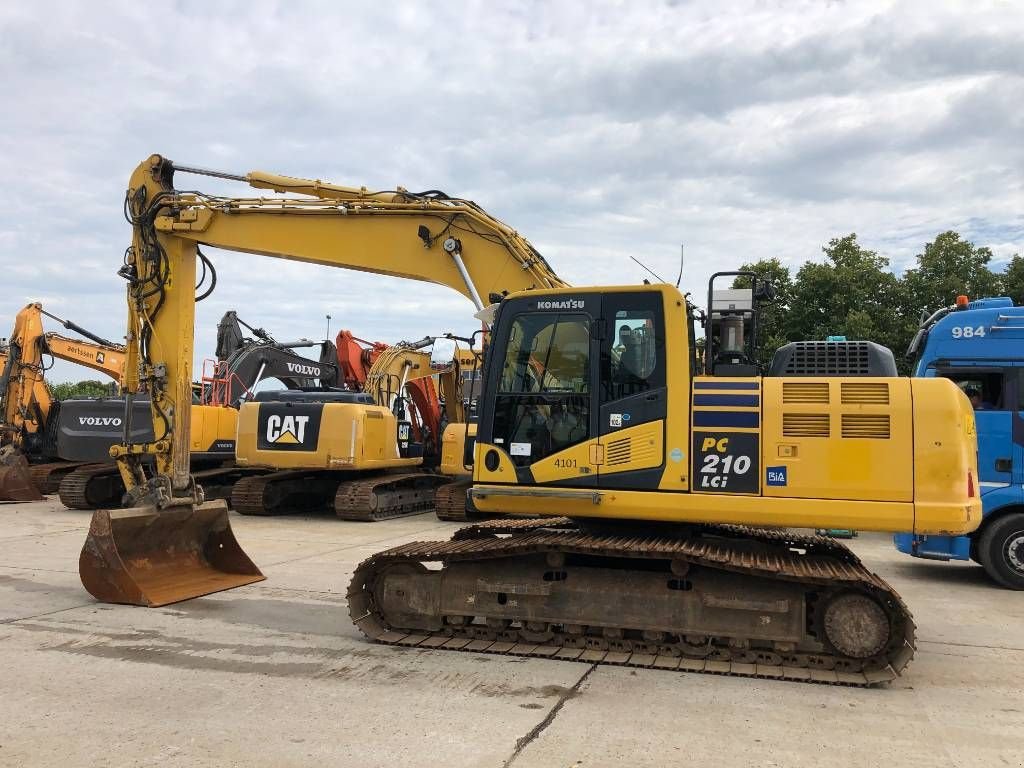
(275, 675)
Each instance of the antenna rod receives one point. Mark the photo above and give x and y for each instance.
(682, 260)
(647, 268)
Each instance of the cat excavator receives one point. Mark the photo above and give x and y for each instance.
(360, 454)
(665, 490)
(30, 417)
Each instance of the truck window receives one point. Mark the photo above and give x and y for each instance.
(986, 388)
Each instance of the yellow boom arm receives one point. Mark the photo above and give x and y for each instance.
(428, 237)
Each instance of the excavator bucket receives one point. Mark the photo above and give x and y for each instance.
(16, 479)
(141, 556)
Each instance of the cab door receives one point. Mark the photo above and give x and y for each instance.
(544, 419)
(633, 396)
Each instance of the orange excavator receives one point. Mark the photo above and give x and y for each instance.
(430, 424)
(28, 411)
(356, 358)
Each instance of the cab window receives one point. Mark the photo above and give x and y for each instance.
(543, 400)
(633, 355)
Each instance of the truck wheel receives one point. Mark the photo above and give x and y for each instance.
(1002, 551)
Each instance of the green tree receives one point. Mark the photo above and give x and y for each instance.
(772, 333)
(853, 294)
(950, 266)
(89, 388)
(1013, 279)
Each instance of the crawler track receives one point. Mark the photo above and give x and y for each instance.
(718, 599)
(452, 502)
(47, 476)
(365, 499)
(92, 486)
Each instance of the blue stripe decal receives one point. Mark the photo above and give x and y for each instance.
(726, 385)
(741, 401)
(725, 419)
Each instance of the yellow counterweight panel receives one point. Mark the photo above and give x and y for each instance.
(210, 424)
(453, 448)
(943, 417)
(351, 437)
(839, 439)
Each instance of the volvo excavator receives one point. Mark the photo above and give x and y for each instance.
(31, 426)
(667, 490)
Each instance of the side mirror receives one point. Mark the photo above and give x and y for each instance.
(442, 354)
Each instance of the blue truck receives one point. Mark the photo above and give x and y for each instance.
(980, 345)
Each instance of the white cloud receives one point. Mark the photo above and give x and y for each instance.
(599, 131)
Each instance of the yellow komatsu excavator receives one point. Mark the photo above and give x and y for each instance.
(26, 403)
(351, 452)
(667, 491)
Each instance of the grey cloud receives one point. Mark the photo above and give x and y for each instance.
(599, 131)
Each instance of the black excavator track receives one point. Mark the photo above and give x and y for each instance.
(365, 499)
(718, 599)
(47, 476)
(92, 486)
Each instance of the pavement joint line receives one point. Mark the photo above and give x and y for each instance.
(34, 568)
(47, 613)
(38, 535)
(538, 729)
(973, 645)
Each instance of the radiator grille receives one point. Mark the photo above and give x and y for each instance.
(821, 358)
(805, 392)
(805, 425)
(866, 425)
(865, 393)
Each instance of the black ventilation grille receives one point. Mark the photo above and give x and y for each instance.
(833, 358)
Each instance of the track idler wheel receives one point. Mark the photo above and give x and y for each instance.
(150, 557)
(856, 625)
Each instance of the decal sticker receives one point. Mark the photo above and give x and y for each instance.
(776, 476)
(100, 357)
(292, 427)
(726, 462)
(625, 417)
(615, 420)
(677, 455)
(521, 449)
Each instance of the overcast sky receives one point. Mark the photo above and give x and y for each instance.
(600, 131)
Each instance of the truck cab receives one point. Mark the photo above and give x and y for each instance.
(980, 345)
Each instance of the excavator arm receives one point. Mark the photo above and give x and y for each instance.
(428, 236)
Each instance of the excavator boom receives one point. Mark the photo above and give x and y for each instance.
(428, 237)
